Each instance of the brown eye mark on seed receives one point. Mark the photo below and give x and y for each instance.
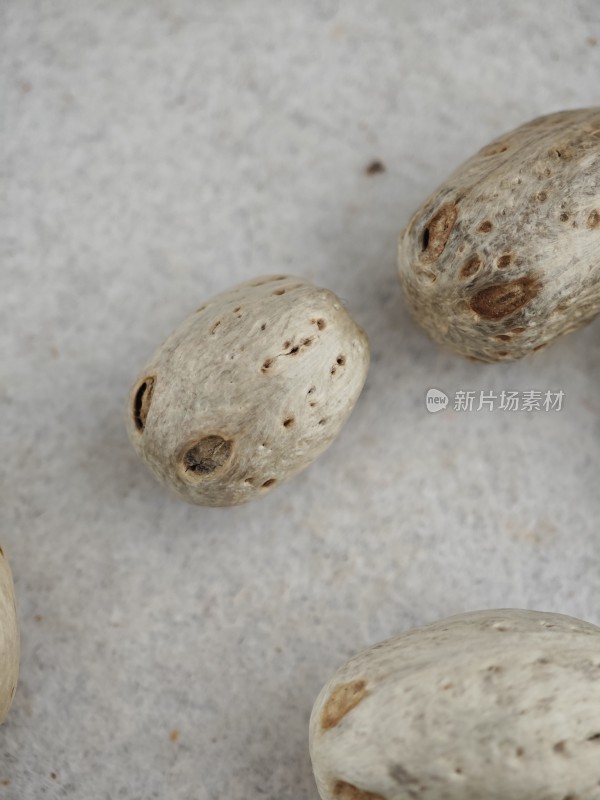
(593, 221)
(142, 401)
(341, 701)
(471, 267)
(504, 261)
(503, 299)
(347, 791)
(320, 323)
(268, 483)
(207, 455)
(435, 235)
(485, 227)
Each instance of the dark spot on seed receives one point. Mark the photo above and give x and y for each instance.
(1, 552)
(215, 326)
(564, 217)
(341, 701)
(504, 261)
(268, 483)
(560, 747)
(235, 310)
(53, 775)
(504, 337)
(593, 221)
(401, 775)
(312, 390)
(471, 267)
(458, 771)
(207, 455)
(288, 422)
(294, 350)
(502, 353)
(266, 365)
(503, 299)
(320, 323)
(541, 197)
(520, 752)
(485, 227)
(347, 791)
(286, 344)
(307, 342)
(322, 421)
(279, 291)
(375, 167)
(142, 401)
(340, 361)
(518, 330)
(198, 310)
(594, 738)
(333, 370)
(436, 234)
(313, 404)
(249, 480)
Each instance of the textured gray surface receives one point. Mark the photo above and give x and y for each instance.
(153, 155)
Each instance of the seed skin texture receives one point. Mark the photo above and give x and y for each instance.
(10, 645)
(488, 705)
(505, 255)
(248, 390)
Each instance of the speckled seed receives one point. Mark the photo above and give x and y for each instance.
(505, 256)
(249, 390)
(10, 647)
(482, 706)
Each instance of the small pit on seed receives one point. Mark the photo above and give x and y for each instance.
(268, 483)
(288, 422)
(471, 267)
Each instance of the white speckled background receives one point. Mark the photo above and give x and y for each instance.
(152, 155)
